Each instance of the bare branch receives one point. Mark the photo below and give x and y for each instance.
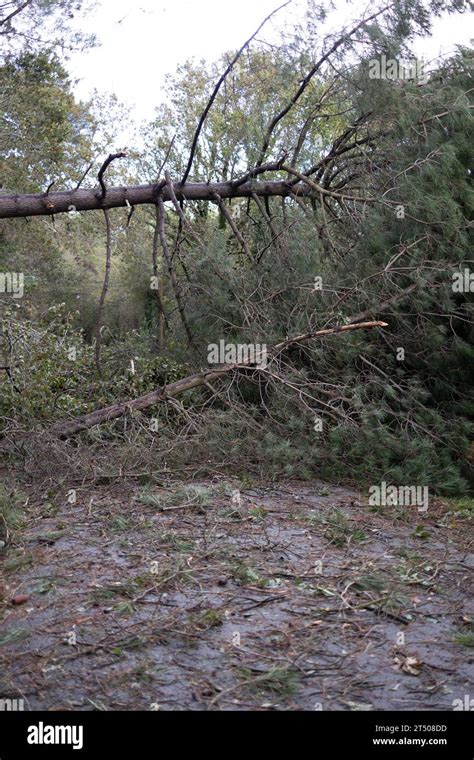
(217, 88)
(105, 287)
(160, 291)
(14, 13)
(225, 213)
(104, 168)
(84, 175)
(184, 220)
(160, 221)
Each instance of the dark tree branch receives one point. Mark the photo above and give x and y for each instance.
(160, 222)
(182, 216)
(225, 213)
(159, 291)
(14, 13)
(104, 168)
(167, 155)
(105, 287)
(274, 166)
(84, 175)
(217, 88)
(307, 124)
(130, 214)
(275, 234)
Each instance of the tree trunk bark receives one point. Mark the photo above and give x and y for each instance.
(42, 204)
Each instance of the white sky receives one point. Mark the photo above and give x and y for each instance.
(143, 40)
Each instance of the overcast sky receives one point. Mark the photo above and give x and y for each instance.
(143, 40)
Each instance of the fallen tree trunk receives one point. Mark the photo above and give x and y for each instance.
(68, 428)
(48, 204)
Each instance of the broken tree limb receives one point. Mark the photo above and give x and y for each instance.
(325, 191)
(356, 318)
(159, 291)
(160, 222)
(105, 288)
(104, 168)
(68, 428)
(61, 202)
(182, 216)
(233, 226)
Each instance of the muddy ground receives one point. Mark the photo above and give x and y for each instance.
(297, 596)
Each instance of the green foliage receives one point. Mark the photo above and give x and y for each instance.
(39, 24)
(37, 101)
(53, 374)
(12, 514)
